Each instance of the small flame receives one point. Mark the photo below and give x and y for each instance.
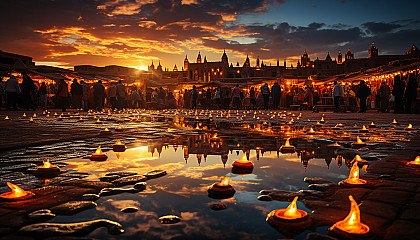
(31, 119)
(119, 126)
(169, 130)
(225, 181)
(47, 163)
(34, 115)
(291, 212)
(395, 121)
(24, 115)
(287, 143)
(311, 130)
(322, 119)
(6, 118)
(372, 124)
(106, 130)
(410, 126)
(118, 142)
(98, 151)
(243, 159)
(359, 140)
(354, 175)
(364, 128)
(352, 223)
(416, 161)
(16, 192)
(80, 119)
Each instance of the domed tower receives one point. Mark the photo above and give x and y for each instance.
(373, 51)
(186, 63)
(349, 55)
(225, 58)
(175, 68)
(159, 68)
(151, 67)
(199, 57)
(340, 57)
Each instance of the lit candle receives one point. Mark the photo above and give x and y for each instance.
(98, 155)
(415, 162)
(287, 148)
(351, 224)
(363, 130)
(105, 131)
(394, 121)
(410, 127)
(7, 118)
(17, 193)
(372, 125)
(289, 218)
(359, 143)
(353, 178)
(47, 170)
(119, 128)
(221, 190)
(311, 132)
(118, 146)
(98, 121)
(322, 120)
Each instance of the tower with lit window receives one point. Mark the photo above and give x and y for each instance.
(186, 63)
(373, 51)
(199, 57)
(340, 57)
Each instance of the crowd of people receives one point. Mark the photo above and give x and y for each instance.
(80, 95)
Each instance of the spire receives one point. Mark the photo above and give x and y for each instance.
(199, 57)
(225, 57)
(205, 59)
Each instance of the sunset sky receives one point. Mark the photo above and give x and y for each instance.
(134, 32)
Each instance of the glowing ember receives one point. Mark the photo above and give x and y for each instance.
(352, 223)
(291, 212)
(354, 176)
(415, 162)
(16, 192)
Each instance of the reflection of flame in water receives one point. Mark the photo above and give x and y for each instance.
(352, 223)
(225, 181)
(354, 175)
(16, 192)
(291, 212)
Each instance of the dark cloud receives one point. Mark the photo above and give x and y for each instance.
(380, 27)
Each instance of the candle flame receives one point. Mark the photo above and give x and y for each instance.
(352, 223)
(291, 210)
(322, 119)
(98, 151)
(416, 161)
(15, 193)
(106, 130)
(24, 115)
(225, 181)
(6, 118)
(359, 140)
(372, 124)
(394, 121)
(119, 126)
(98, 121)
(118, 142)
(31, 119)
(364, 128)
(311, 130)
(410, 126)
(47, 163)
(354, 175)
(243, 159)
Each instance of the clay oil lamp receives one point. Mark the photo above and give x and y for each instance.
(359, 143)
(372, 125)
(415, 162)
(410, 127)
(353, 179)
(7, 118)
(287, 148)
(394, 121)
(105, 132)
(118, 146)
(98, 155)
(242, 166)
(221, 190)
(363, 130)
(16, 194)
(47, 170)
(290, 219)
(119, 128)
(311, 132)
(334, 146)
(351, 227)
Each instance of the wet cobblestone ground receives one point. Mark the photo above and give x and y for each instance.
(389, 203)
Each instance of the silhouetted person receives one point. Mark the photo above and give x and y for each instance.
(252, 102)
(362, 94)
(265, 91)
(194, 94)
(62, 95)
(410, 92)
(276, 94)
(28, 92)
(43, 95)
(338, 93)
(98, 95)
(398, 92)
(12, 89)
(236, 94)
(76, 94)
(384, 92)
(120, 95)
